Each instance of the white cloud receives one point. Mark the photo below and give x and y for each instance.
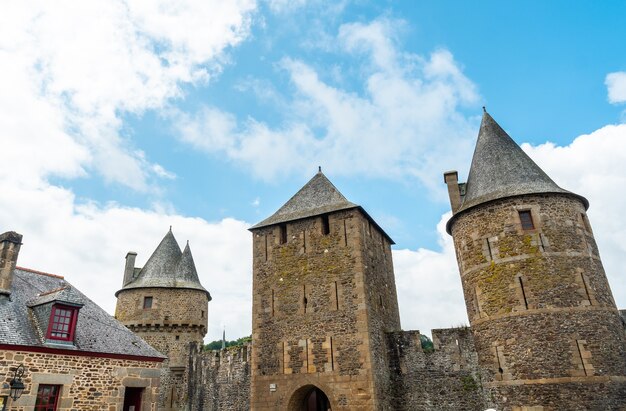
(429, 287)
(616, 87)
(594, 166)
(87, 244)
(410, 104)
(70, 71)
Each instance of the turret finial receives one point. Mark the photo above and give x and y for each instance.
(319, 169)
(484, 109)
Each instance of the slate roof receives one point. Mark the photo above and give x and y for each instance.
(317, 197)
(96, 330)
(168, 267)
(501, 169)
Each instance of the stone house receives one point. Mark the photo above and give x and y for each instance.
(70, 353)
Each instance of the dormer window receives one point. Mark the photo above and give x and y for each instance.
(62, 323)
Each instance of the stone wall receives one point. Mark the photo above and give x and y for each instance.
(220, 379)
(87, 383)
(446, 378)
(539, 304)
(311, 302)
(177, 318)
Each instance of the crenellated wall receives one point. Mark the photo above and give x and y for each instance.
(220, 379)
(446, 378)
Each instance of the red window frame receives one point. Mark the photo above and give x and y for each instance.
(62, 324)
(47, 397)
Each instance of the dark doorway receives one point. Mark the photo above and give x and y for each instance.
(316, 400)
(132, 399)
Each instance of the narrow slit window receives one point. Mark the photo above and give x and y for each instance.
(336, 296)
(305, 301)
(582, 277)
(345, 233)
(332, 355)
(521, 285)
(488, 246)
(586, 222)
(542, 245)
(580, 356)
(325, 225)
(283, 233)
(272, 303)
(476, 302)
(526, 218)
(265, 238)
(304, 240)
(500, 370)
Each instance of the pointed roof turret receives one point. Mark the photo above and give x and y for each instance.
(167, 267)
(318, 196)
(500, 169)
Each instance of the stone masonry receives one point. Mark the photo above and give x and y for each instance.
(545, 333)
(87, 383)
(165, 304)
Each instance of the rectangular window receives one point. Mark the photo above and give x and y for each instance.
(283, 233)
(47, 397)
(526, 218)
(147, 303)
(325, 225)
(62, 323)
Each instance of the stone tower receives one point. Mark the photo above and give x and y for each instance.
(546, 328)
(165, 304)
(323, 297)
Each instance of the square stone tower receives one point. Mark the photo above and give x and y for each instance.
(324, 295)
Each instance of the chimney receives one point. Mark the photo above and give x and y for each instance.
(451, 178)
(10, 243)
(129, 269)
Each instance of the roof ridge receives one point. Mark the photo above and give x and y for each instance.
(65, 287)
(30, 270)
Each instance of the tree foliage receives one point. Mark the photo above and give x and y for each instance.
(217, 344)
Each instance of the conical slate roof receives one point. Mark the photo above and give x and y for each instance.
(167, 267)
(501, 169)
(186, 268)
(318, 196)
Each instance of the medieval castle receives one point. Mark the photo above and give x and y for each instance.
(545, 333)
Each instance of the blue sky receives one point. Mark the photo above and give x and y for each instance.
(123, 118)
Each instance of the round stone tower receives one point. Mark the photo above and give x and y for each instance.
(165, 304)
(546, 328)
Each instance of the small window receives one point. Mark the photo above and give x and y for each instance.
(283, 233)
(62, 323)
(201, 313)
(177, 337)
(526, 219)
(47, 397)
(147, 303)
(325, 225)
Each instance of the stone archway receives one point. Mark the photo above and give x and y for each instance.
(309, 398)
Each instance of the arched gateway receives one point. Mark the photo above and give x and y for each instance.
(309, 398)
